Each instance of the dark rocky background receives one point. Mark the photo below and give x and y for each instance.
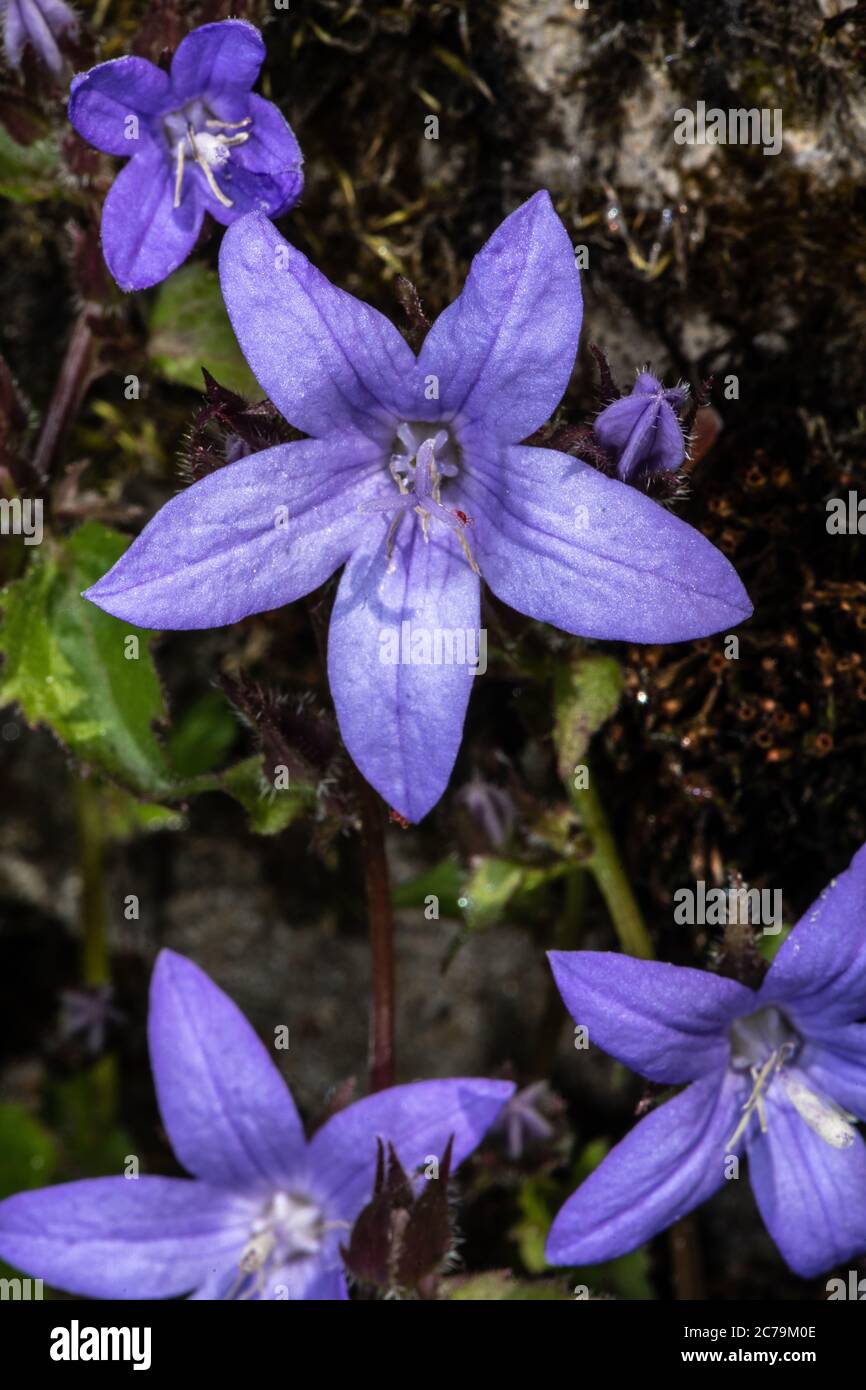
(704, 262)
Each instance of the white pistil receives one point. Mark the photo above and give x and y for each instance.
(828, 1120)
(209, 152)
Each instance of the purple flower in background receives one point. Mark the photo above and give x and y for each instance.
(779, 1073)
(266, 1212)
(642, 431)
(414, 479)
(39, 24)
(199, 139)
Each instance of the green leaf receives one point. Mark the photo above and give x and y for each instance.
(29, 173)
(69, 665)
(190, 329)
(586, 693)
(28, 1153)
(269, 811)
(499, 1286)
(201, 740)
(444, 881)
(492, 883)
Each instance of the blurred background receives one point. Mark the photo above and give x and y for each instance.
(136, 804)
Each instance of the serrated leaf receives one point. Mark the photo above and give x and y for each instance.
(190, 329)
(65, 663)
(586, 694)
(28, 173)
(269, 811)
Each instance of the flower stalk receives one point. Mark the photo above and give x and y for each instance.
(381, 922)
(606, 866)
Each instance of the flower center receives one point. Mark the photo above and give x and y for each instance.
(289, 1227)
(766, 1045)
(422, 459)
(194, 133)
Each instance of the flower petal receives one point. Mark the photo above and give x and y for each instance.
(810, 1194)
(143, 1237)
(252, 536)
(820, 971)
(560, 542)
(505, 349)
(671, 1161)
(401, 692)
(102, 100)
(417, 1119)
(264, 175)
(667, 1022)
(227, 1111)
(144, 236)
(227, 54)
(835, 1059)
(327, 361)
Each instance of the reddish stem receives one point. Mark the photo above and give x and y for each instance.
(381, 920)
(69, 389)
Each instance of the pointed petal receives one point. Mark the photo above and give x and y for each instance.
(227, 54)
(144, 237)
(669, 448)
(327, 361)
(810, 1195)
(252, 536)
(622, 428)
(671, 1161)
(560, 542)
(102, 100)
(504, 350)
(227, 1111)
(119, 1237)
(820, 971)
(667, 1022)
(400, 711)
(417, 1119)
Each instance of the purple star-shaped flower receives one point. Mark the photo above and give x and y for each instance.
(266, 1212)
(199, 139)
(39, 24)
(642, 431)
(413, 478)
(779, 1073)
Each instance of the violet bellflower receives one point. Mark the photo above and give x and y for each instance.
(642, 431)
(198, 140)
(266, 1212)
(37, 24)
(413, 478)
(778, 1074)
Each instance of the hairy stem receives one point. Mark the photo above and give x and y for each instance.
(381, 921)
(608, 870)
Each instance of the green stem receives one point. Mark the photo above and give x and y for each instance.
(566, 938)
(608, 870)
(93, 916)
